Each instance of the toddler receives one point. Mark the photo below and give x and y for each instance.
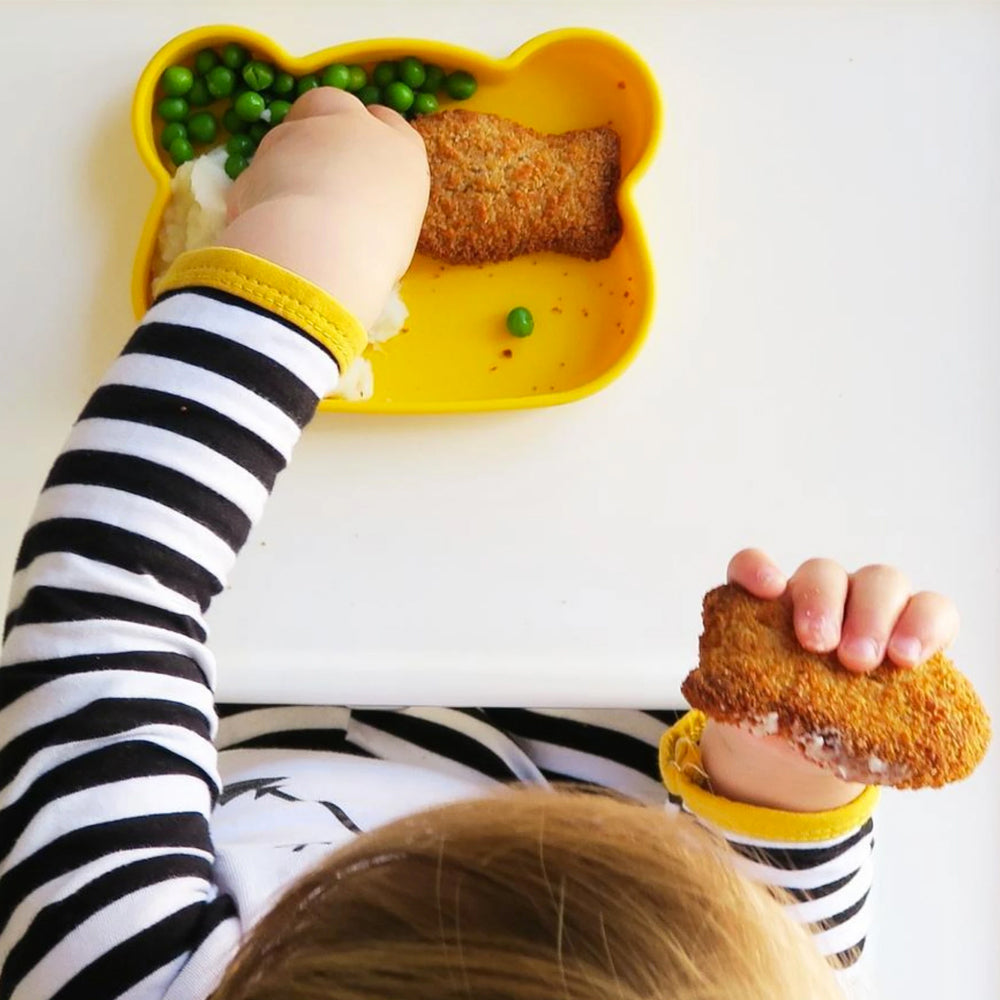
(154, 845)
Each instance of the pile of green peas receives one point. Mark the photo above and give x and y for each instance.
(250, 96)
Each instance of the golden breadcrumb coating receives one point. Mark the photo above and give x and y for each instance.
(897, 726)
(499, 189)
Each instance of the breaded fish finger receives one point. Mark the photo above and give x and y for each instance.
(894, 726)
(500, 189)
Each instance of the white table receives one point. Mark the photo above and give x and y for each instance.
(821, 378)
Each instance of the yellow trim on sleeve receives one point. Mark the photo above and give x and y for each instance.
(281, 292)
(683, 775)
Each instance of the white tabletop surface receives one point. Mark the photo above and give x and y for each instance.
(821, 378)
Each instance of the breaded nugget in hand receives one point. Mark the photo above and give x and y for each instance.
(499, 190)
(910, 728)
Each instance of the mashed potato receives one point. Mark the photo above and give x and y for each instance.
(196, 212)
(194, 217)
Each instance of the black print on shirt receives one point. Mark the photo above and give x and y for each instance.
(272, 786)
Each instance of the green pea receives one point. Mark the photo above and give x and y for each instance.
(235, 56)
(258, 75)
(181, 151)
(205, 60)
(249, 105)
(358, 78)
(236, 164)
(176, 81)
(412, 72)
(284, 83)
(198, 96)
(370, 94)
(460, 85)
(258, 130)
(398, 96)
(307, 82)
(337, 75)
(175, 130)
(173, 109)
(232, 122)
(424, 104)
(434, 77)
(278, 111)
(384, 73)
(520, 322)
(202, 127)
(240, 145)
(220, 81)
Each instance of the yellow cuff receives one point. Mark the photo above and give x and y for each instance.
(680, 767)
(281, 292)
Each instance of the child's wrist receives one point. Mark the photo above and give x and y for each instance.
(768, 772)
(300, 236)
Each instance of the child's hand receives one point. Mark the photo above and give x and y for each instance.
(337, 194)
(865, 616)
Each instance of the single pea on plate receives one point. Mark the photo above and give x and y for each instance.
(520, 322)
(589, 318)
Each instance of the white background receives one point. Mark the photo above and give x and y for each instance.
(822, 378)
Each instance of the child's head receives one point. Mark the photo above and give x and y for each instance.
(526, 896)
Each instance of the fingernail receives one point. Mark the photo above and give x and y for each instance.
(907, 649)
(827, 634)
(821, 632)
(863, 651)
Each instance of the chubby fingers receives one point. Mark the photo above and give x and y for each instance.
(818, 590)
(929, 623)
(867, 616)
(330, 101)
(756, 572)
(323, 101)
(876, 599)
(319, 102)
(854, 615)
(396, 121)
(320, 123)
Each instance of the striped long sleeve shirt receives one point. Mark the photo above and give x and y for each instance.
(143, 828)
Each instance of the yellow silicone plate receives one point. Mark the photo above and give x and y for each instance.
(455, 353)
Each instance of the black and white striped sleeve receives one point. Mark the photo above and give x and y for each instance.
(107, 766)
(822, 863)
(612, 749)
(828, 883)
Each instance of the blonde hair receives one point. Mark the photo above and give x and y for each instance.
(526, 896)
